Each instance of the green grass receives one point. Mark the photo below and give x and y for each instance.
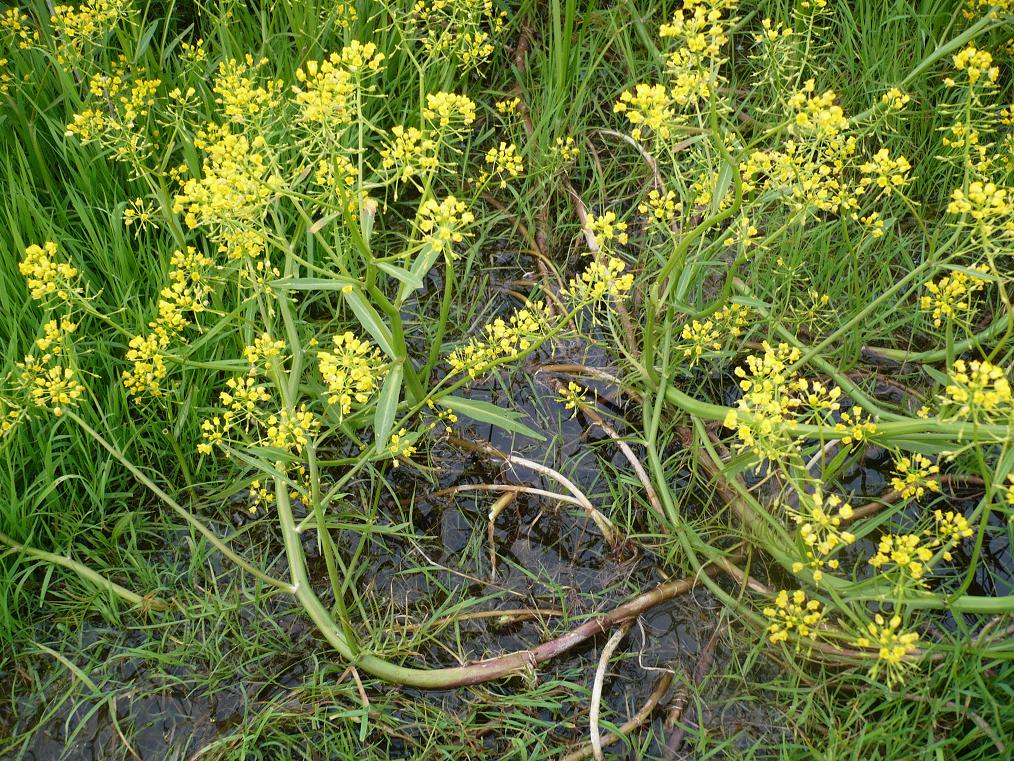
(215, 664)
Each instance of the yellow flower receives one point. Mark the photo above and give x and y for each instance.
(573, 396)
(564, 149)
(601, 280)
(976, 63)
(817, 115)
(647, 106)
(951, 527)
(214, 432)
(352, 372)
(262, 352)
(441, 223)
(793, 613)
(949, 296)
(906, 553)
(819, 521)
(855, 426)
(449, 110)
(893, 646)
(502, 162)
(500, 339)
(237, 92)
(913, 476)
(895, 99)
(291, 430)
(979, 387)
(606, 229)
(54, 388)
(660, 208)
(45, 275)
(400, 446)
(409, 152)
(885, 173)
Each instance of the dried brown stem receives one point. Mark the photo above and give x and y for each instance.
(513, 616)
(526, 660)
(624, 447)
(611, 534)
(596, 695)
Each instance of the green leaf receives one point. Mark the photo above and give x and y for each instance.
(484, 412)
(410, 279)
(387, 406)
(371, 321)
(420, 267)
(314, 283)
(942, 378)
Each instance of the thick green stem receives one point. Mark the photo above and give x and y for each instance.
(85, 572)
(179, 509)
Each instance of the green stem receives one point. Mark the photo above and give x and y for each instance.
(179, 509)
(84, 571)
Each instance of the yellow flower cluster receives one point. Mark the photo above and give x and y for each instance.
(772, 31)
(573, 397)
(244, 396)
(819, 520)
(79, 29)
(400, 446)
(502, 163)
(949, 296)
(793, 613)
(262, 353)
(914, 476)
(460, 31)
(290, 430)
(17, 29)
(564, 149)
(237, 91)
(447, 109)
(988, 8)
(327, 88)
(989, 206)
(606, 229)
(979, 388)
(45, 275)
(709, 336)
(893, 646)
(186, 295)
(856, 425)
(236, 186)
(976, 64)
(808, 175)
(441, 223)
(816, 115)
(54, 333)
(699, 33)
(603, 278)
(508, 106)
(660, 208)
(906, 552)
(122, 101)
(951, 527)
(647, 107)
(501, 339)
(769, 400)
(895, 99)
(50, 385)
(409, 152)
(884, 173)
(444, 416)
(352, 371)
